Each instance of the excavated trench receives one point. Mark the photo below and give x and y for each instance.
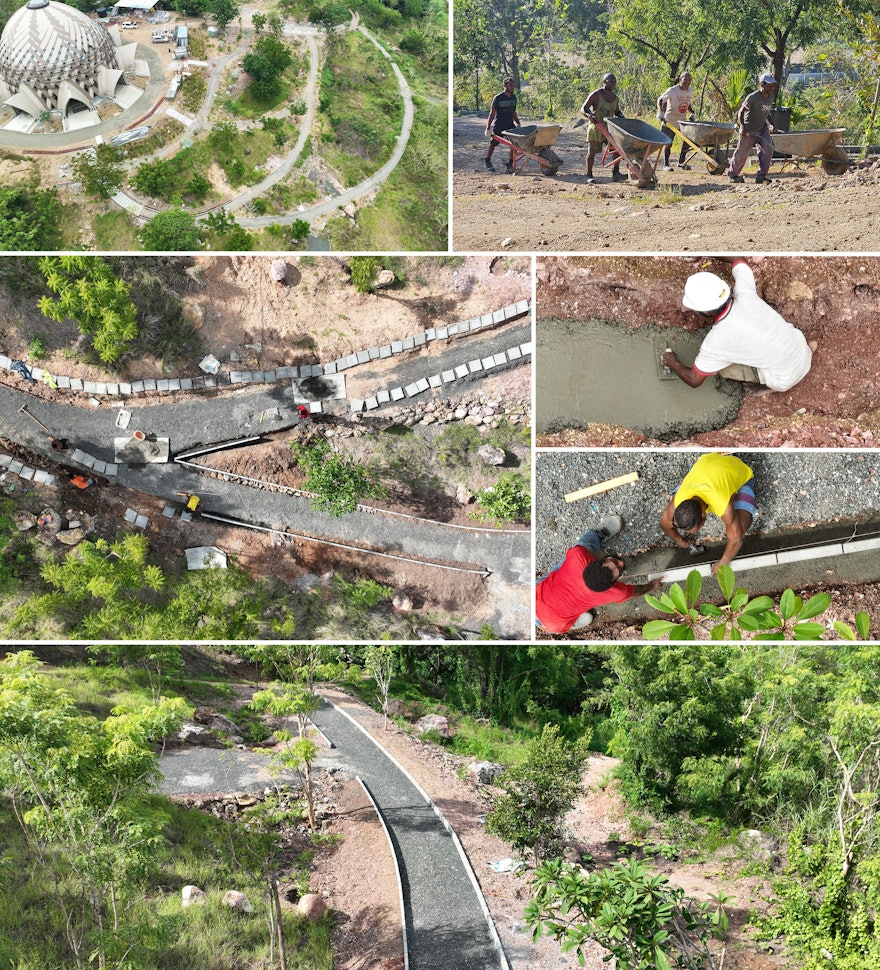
(597, 372)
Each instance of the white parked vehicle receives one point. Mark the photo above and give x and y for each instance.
(161, 37)
(128, 25)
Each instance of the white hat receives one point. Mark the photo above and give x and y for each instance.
(766, 79)
(704, 292)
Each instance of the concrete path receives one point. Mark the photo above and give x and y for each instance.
(445, 924)
(504, 555)
(212, 771)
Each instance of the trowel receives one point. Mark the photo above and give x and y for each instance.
(661, 345)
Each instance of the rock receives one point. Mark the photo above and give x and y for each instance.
(396, 707)
(485, 772)
(245, 799)
(506, 242)
(402, 603)
(216, 722)
(384, 279)
(236, 900)
(312, 906)
(278, 271)
(192, 896)
(490, 455)
(193, 314)
(24, 520)
(196, 734)
(463, 495)
(759, 845)
(797, 290)
(433, 722)
(70, 537)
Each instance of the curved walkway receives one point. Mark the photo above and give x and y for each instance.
(447, 925)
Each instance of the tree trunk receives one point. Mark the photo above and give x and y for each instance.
(279, 925)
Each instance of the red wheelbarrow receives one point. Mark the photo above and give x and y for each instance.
(532, 142)
(635, 142)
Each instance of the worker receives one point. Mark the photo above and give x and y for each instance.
(58, 444)
(566, 597)
(600, 105)
(675, 105)
(192, 502)
(502, 116)
(717, 483)
(303, 412)
(80, 482)
(749, 341)
(755, 129)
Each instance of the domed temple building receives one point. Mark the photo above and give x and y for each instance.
(55, 58)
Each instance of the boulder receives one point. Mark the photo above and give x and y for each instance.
(433, 722)
(485, 772)
(192, 896)
(759, 845)
(196, 734)
(70, 537)
(463, 495)
(490, 455)
(402, 603)
(312, 906)
(24, 520)
(396, 707)
(278, 271)
(217, 722)
(236, 900)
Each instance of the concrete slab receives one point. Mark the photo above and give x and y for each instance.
(431, 333)
(397, 394)
(500, 359)
(76, 384)
(141, 522)
(434, 380)
(168, 512)
(422, 384)
(594, 372)
(411, 390)
(487, 362)
(373, 353)
(514, 354)
(385, 351)
(499, 316)
(448, 376)
(409, 343)
(371, 403)
(396, 346)
(149, 385)
(419, 340)
(442, 333)
(63, 381)
(461, 370)
(474, 366)
(163, 385)
(363, 356)
(351, 360)
(330, 368)
(27, 473)
(137, 387)
(356, 404)
(383, 397)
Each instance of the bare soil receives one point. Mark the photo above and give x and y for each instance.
(834, 300)
(802, 209)
(597, 824)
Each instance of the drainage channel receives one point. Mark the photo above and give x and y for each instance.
(596, 372)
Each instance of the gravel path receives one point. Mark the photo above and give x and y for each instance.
(446, 928)
(794, 492)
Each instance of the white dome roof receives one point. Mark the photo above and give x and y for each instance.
(50, 54)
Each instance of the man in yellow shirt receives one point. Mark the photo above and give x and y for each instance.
(721, 484)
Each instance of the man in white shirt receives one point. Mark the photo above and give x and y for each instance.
(749, 341)
(674, 105)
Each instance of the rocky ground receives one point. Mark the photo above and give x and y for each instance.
(832, 299)
(802, 209)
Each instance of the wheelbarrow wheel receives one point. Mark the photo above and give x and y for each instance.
(837, 163)
(647, 176)
(552, 163)
(721, 157)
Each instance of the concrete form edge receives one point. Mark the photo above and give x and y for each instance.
(381, 818)
(493, 932)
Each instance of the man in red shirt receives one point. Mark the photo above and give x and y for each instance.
(584, 580)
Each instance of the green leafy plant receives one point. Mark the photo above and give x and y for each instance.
(338, 483)
(631, 910)
(508, 500)
(741, 617)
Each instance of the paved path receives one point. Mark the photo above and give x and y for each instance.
(506, 555)
(445, 923)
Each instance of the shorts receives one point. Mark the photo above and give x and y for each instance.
(594, 136)
(745, 498)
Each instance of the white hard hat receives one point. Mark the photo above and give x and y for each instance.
(704, 292)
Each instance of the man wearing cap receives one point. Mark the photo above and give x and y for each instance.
(601, 104)
(502, 116)
(754, 130)
(749, 341)
(721, 484)
(674, 105)
(583, 580)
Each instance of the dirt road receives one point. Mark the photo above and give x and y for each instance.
(802, 209)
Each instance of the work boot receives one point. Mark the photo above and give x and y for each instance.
(489, 166)
(509, 168)
(736, 178)
(760, 179)
(585, 619)
(667, 167)
(609, 526)
(616, 176)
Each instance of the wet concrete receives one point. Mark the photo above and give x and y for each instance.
(597, 372)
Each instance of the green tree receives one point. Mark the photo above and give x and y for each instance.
(223, 11)
(299, 230)
(190, 8)
(538, 792)
(380, 662)
(644, 922)
(259, 21)
(100, 170)
(172, 230)
(338, 483)
(364, 271)
(80, 789)
(29, 219)
(98, 301)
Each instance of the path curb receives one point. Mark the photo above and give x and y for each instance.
(493, 932)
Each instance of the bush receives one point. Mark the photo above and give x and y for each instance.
(508, 500)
